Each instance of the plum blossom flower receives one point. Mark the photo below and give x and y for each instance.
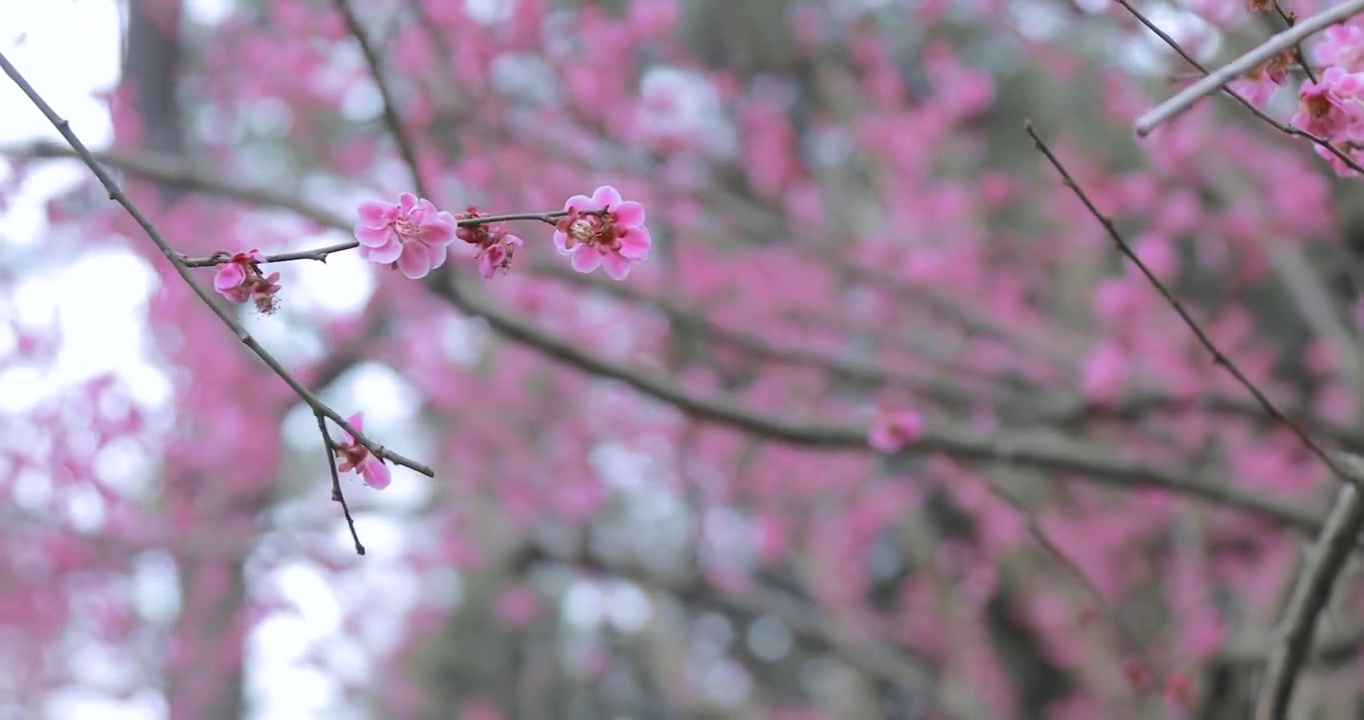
(411, 235)
(1260, 82)
(603, 230)
(1341, 46)
(356, 457)
(495, 246)
(894, 430)
(1352, 149)
(240, 279)
(1333, 107)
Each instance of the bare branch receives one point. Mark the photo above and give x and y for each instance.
(1311, 593)
(405, 145)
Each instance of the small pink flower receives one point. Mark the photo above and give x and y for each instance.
(498, 256)
(240, 279)
(603, 230)
(1257, 85)
(495, 246)
(411, 235)
(357, 457)
(1341, 46)
(1333, 107)
(894, 430)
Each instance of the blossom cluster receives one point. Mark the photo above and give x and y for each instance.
(414, 237)
(1331, 102)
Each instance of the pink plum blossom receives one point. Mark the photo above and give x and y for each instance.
(1341, 46)
(1257, 85)
(240, 279)
(495, 248)
(411, 235)
(894, 430)
(357, 458)
(1331, 108)
(603, 230)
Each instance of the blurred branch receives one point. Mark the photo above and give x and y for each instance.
(1310, 595)
(804, 619)
(1254, 649)
(406, 147)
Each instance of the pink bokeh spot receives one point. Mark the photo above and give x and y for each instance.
(893, 430)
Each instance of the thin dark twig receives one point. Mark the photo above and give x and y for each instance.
(117, 195)
(405, 146)
(1219, 358)
(1289, 20)
(321, 254)
(337, 495)
(1257, 112)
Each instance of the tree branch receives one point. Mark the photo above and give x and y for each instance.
(1311, 593)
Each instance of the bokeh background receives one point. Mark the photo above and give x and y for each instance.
(655, 498)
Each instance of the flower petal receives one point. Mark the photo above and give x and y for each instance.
(606, 197)
(376, 473)
(617, 265)
(407, 202)
(415, 262)
(436, 231)
(375, 214)
(635, 243)
(384, 254)
(578, 202)
(629, 213)
(356, 421)
(561, 243)
(372, 237)
(586, 260)
(229, 276)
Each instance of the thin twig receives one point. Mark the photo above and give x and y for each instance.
(117, 195)
(1311, 593)
(337, 494)
(321, 254)
(1266, 50)
(1289, 20)
(1219, 358)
